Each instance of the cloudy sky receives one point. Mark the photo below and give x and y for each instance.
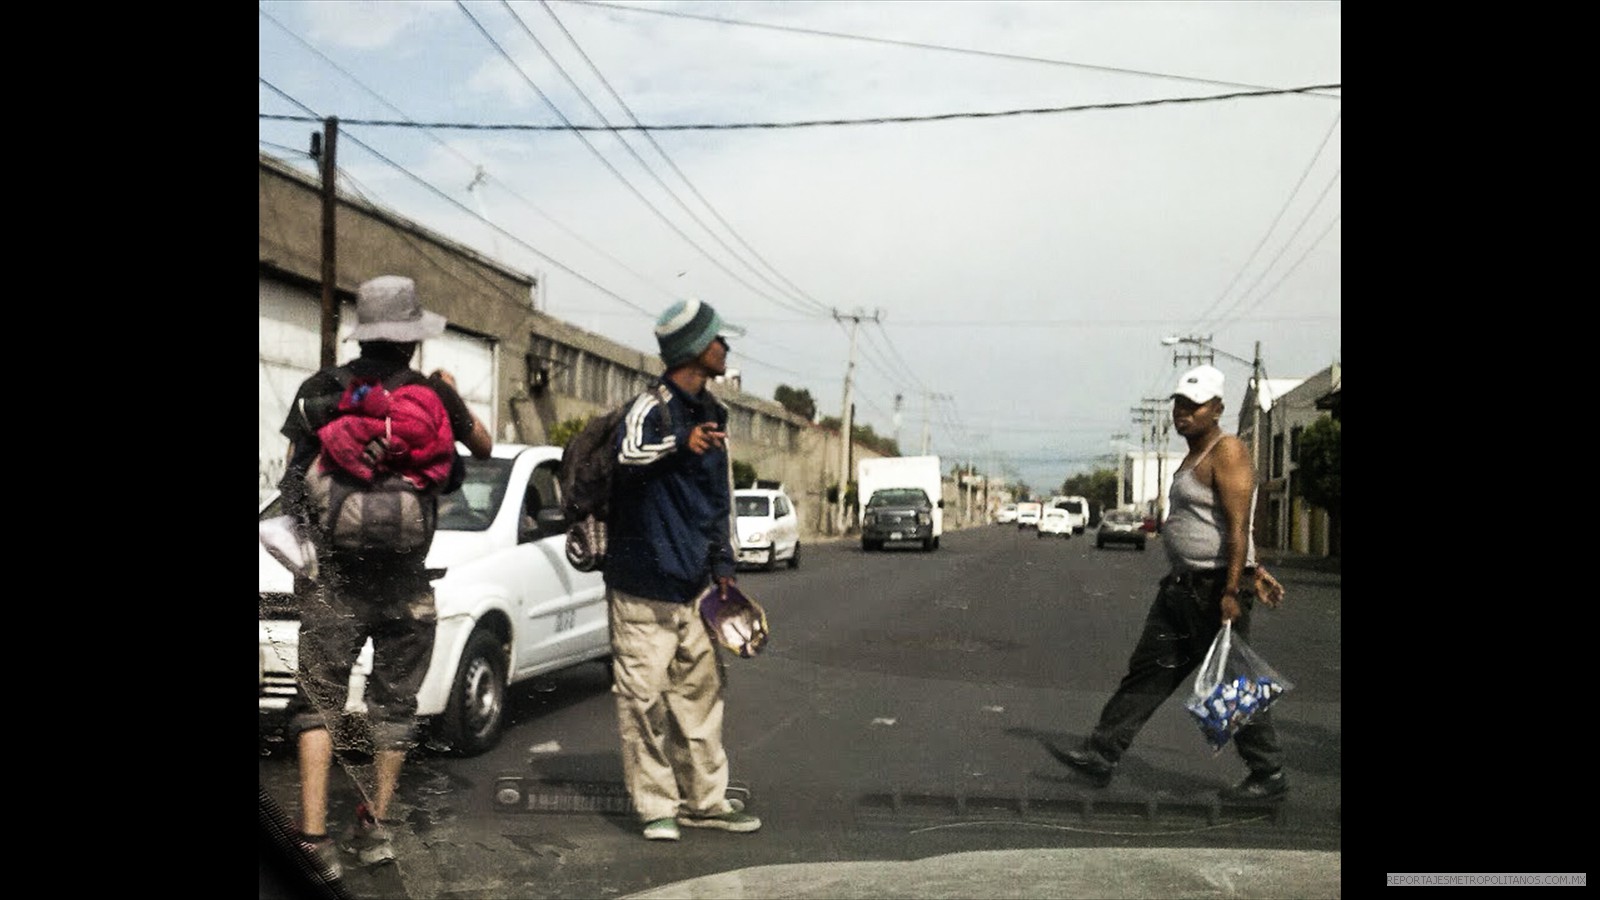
(1076, 180)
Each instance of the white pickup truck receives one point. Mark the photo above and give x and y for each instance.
(510, 606)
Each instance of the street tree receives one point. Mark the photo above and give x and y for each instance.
(796, 400)
(1317, 472)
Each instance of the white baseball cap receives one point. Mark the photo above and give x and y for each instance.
(1200, 384)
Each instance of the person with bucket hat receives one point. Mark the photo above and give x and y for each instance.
(385, 595)
(670, 539)
(1213, 578)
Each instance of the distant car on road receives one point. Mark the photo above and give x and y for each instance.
(1007, 514)
(769, 528)
(1120, 527)
(1028, 514)
(1056, 522)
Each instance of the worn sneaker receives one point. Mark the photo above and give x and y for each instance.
(1258, 787)
(735, 819)
(661, 830)
(368, 839)
(324, 857)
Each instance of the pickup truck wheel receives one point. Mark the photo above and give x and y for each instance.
(794, 558)
(475, 714)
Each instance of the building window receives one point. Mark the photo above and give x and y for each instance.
(1294, 443)
(1277, 456)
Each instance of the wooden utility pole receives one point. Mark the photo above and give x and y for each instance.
(330, 298)
(846, 417)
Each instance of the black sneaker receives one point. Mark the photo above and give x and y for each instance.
(1085, 763)
(1258, 787)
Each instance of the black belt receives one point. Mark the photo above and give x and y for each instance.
(1198, 577)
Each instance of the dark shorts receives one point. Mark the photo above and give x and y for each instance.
(393, 606)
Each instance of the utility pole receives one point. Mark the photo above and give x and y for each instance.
(323, 153)
(1255, 416)
(927, 414)
(846, 426)
(1160, 425)
(1143, 419)
(1121, 457)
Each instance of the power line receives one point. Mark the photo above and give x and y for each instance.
(457, 153)
(674, 166)
(923, 46)
(634, 153)
(816, 123)
(1275, 220)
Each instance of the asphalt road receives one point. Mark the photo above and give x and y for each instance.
(898, 713)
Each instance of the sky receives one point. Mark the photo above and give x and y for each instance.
(1014, 203)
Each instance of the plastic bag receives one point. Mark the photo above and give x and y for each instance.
(286, 541)
(1231, 686)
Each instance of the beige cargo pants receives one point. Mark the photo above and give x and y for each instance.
(668, 685)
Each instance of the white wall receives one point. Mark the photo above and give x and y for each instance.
(1144, 467)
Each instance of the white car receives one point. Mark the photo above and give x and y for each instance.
(1055, 521)
(510, 606)
(1007, 514)
(768, 526)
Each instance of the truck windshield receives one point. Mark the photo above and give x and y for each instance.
(898, 497)
(750, 506)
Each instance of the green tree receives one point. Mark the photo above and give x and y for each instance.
(744, 474)
(1099, 486)
(1317, 474)
(865, 436)
(796, 400)
(565, 431)
(1318, 467)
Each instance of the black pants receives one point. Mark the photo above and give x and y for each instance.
(1182, 622)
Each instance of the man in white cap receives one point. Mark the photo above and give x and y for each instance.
(1214, 578)
(670, 538)
(385, 595)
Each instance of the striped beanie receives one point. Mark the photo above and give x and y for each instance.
(687, 328)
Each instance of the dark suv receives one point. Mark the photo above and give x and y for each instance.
(898, 514)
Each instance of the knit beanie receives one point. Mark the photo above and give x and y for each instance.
(687, 328)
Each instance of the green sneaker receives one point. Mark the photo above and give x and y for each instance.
(661, 830)
(736, 820)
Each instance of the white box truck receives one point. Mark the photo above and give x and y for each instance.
(902, 500)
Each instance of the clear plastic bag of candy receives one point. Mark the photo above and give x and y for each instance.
(1231, 686)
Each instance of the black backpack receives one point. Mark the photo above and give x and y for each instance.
(588, 467)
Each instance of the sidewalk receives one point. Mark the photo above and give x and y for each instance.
(1109, 873)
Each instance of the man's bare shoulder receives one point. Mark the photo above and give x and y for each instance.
(1230, 450)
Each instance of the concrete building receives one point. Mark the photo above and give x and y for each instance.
(1284, 520)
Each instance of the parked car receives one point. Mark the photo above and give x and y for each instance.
(510, 606)
(1028, 513)
(1007, 514)
(1120, 526)
(1056, 522)
(768, 526)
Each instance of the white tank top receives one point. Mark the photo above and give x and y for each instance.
(1193, 533)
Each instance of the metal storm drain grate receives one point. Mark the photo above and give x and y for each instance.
(1150, 812)
(523, 794)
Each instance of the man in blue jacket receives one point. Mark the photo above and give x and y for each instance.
(671, 532)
